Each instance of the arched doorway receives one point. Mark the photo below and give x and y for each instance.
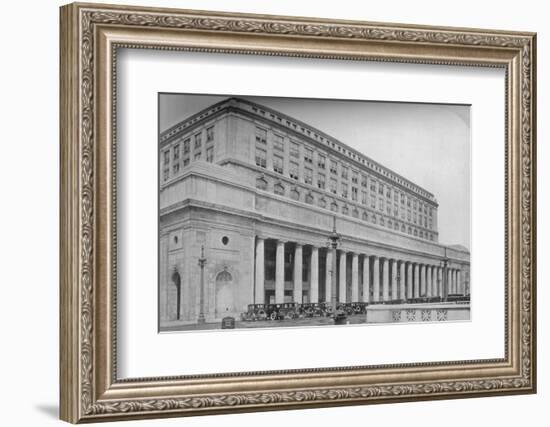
(224, 294)
(176, 280)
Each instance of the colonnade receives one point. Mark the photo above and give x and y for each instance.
(374, 278)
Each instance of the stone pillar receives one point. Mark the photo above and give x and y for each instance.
(410, 281)
(342, 279)
(259, 289)
(394, 280)
(416, 280)
(440, 292)
(328, 274)
(429, 281)
(460, 281)
(449, 281)
(385, 280)
(434, 281)
(422, 280)
(298, 253)
(280, 273)
(314, 276)
(355, 278)
(402, 283)
(342, 282)
(376, 279)
(366, 276)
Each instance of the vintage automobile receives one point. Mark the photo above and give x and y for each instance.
(283, 311)
(254, 312)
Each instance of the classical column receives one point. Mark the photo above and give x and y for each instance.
(342, 282)
(460, 281)
(366, 275)
(409, 281)
(280, 273)
(422, 280)
(298, 253)
(449, 281)
(429, 281)
(416, 281)
(314, 276)
(402, 283)
(385, 279)
(328, 274)
(376, 279)
(434, 281)
(440, 292)
(355, 278)
(394, 280)
(260, 271)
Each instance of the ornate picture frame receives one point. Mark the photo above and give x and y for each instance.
(90, 37)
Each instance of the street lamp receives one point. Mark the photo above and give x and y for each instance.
(444, 263)
(333, 241)
(202, 262)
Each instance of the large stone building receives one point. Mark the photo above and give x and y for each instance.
(259, 191)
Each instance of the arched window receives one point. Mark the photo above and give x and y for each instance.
(279, 189)
(295, 194)
(261, 183)
(176, 280)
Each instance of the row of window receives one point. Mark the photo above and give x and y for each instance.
(373, 217)
(179, 160)
(377, 201)
(307, 175)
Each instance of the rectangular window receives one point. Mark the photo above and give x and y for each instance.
(344, 190)
(333, 185)
(354, 193)
(430, 211)
(373, 203)
(278, 164)
(166, 174)
(176, 168)
(308, 175)
(261, 136)
(380, 188)
(409, 215)
(333, 167)
(364, 181)
(321, 161)
(388, 193)
(364, 197)
(414, 217)
(210, 134)
(308, 155)
(408, 202)
(294, 150)
(186, 146)
(210, 154)
(395, 196)
(395, 212)
(381, 204)
(354, 177)
(373, 186)
(185, 161)
(197, 155)
(414, 205)
(294, 167)
(176, 152)
(167, 157)
(430, 224)
(198, 141)
(278, 143)
(344, 172)
(402, 199)
(261, 156)
(321, 181)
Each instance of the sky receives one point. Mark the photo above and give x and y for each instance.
(428, 144)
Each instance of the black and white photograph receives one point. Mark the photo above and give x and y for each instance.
(288, 212)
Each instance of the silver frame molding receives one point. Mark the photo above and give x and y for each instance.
(90, 37)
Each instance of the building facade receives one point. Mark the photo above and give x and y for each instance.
(259, 193)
